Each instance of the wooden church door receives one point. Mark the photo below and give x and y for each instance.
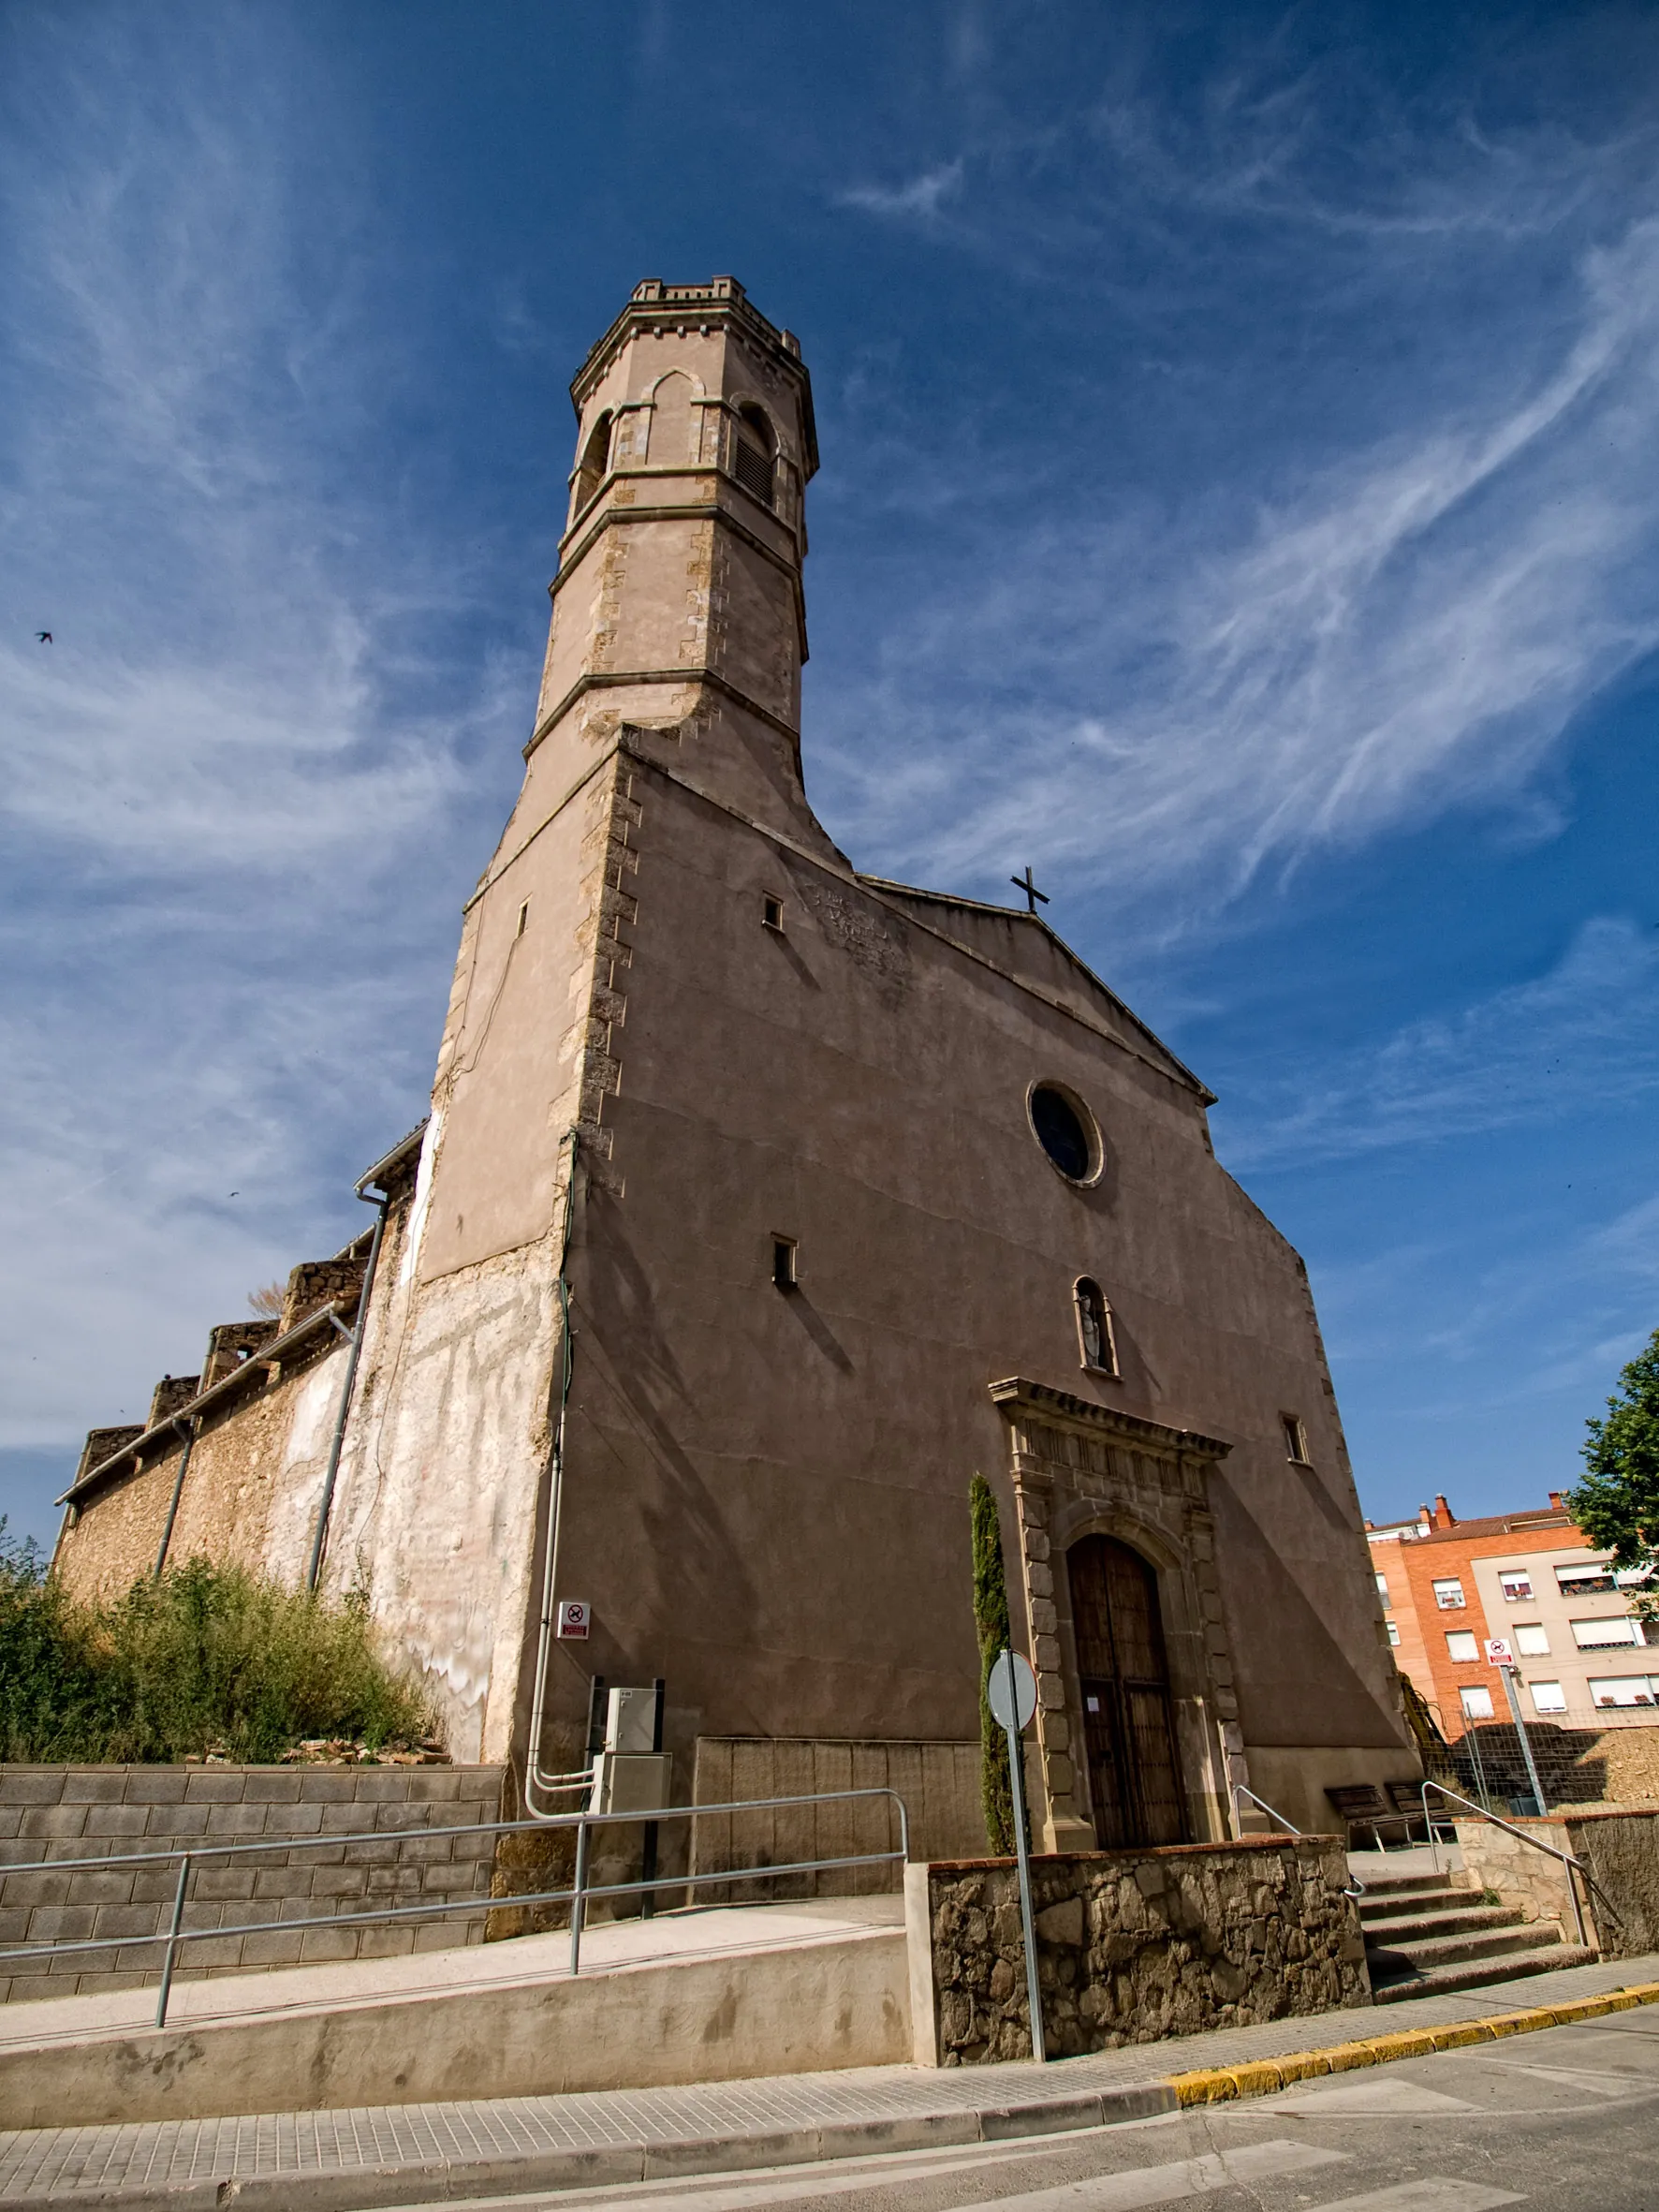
(1128, 1727)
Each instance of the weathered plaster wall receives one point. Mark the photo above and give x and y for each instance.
(938, 1783)
(1132, 1947)
(766, 1494)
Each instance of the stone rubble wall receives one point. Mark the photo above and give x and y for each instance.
(1133, 1946)
(51, 1813)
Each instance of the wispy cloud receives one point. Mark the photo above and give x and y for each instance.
(1583, 1037)
(243, 742)
(922, 197)
(1409, 628)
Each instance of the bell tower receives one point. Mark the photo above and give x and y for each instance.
(678, 608)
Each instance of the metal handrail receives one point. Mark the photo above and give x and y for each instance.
(1568, 1860)
(577, 1896)
(1289, 1827)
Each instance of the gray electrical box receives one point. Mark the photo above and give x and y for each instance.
(630, 1721)
(631, 1781)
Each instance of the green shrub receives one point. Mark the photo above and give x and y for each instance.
(990, 1626)
(207, 1658)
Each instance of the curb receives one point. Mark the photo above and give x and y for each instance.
(447, 2182)
(369, 2187)
(1260, 2077)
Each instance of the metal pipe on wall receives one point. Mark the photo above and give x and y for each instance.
(382, 1203)
(187, 1431)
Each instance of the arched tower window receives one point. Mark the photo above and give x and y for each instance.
(754, 451)
(670, 420)
(595, 459)
(1096, 1339)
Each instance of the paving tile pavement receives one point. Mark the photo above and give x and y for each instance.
(392, 2154)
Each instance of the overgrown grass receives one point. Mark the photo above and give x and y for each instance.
(208, 1659)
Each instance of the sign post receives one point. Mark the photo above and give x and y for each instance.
(1011, 1694)
(1499, 1655)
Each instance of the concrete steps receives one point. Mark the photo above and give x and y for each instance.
(1424, 1936)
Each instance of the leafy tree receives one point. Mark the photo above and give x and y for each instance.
(1617, 1504)
(990, 1625)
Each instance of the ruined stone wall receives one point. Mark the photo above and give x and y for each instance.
(54, 1813)
(250, 1490)
(1133, 1946)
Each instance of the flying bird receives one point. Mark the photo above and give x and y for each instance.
(44, 636)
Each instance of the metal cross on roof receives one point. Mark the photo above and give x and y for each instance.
(1032, 895)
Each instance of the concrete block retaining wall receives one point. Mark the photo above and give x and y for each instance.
(72, 1812)
(1133, 1946)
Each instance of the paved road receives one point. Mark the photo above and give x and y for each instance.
(1563, 2121)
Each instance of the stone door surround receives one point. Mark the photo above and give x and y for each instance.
(1082, 1470)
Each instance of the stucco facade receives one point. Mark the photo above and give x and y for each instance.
(733, 1250)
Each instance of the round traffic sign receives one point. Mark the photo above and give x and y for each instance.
(1011, 1692)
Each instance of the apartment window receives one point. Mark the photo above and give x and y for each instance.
(1548, 1697)
(1529, 1639)
(1448, 1593)
(1382, 1588)
(1477, 1704)
(1462, 1649)
(783, 1262)
(771, 912)
(524, 920)
(1393, 1629)
(1516, 1583)
(1296, 1439)
(1625, 1690)
(1578, 1581)
(1598, 1635)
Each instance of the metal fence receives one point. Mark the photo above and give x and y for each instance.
(175, 1936)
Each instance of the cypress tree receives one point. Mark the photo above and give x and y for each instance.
(990, 1626)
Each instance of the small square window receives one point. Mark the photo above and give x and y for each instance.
(771, 912)
(1448, 1594)
(1476, 1703)
(1548, 1697)
(783, 1262)
(1296, 1439)
(1461, 1648)
(1393, 1629)
(1529, 1639)
(1516, 1583)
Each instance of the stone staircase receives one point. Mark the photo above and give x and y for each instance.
(1423, 1935)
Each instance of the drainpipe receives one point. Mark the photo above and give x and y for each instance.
(187, 1429)
(381, 1202)
(534, 1776)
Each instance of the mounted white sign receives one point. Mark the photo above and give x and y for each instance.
(575, 1620)
(1498, 1653)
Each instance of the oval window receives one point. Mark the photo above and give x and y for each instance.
(1062, 1131)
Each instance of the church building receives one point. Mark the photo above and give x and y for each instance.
(761, 1204)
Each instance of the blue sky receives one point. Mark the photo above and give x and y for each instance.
(1239, 501)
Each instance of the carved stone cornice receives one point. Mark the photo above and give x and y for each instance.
(1059, 1409)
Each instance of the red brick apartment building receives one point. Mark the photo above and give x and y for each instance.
(1450, 1585)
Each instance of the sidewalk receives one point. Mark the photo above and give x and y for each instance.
(414, 2153)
